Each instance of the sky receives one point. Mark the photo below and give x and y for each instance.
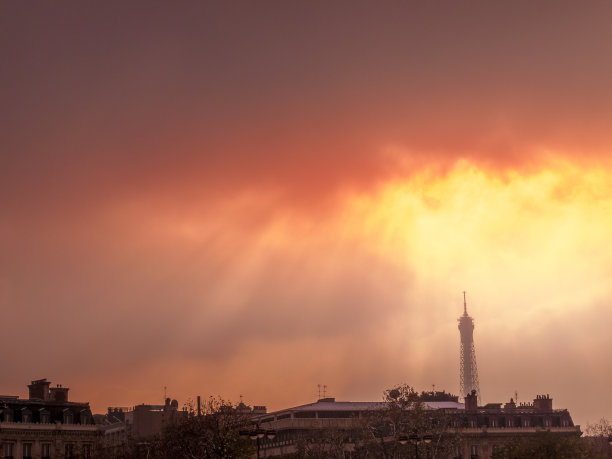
(254, 198)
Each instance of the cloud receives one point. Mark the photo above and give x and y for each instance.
(210, 186)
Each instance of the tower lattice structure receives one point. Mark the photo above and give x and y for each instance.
(468, 372)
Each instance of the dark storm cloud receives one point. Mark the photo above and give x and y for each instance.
(115, 97)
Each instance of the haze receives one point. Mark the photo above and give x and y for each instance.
(257, 197)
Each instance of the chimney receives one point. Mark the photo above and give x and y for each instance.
(471, 401)
(59, 393)
(543, 403)
(39, 389)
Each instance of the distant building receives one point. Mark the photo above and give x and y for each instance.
(149, 420)
(481, 429)
(486, 428)
(46, 425)
(124, 427)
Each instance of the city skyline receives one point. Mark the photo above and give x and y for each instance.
(257, 198)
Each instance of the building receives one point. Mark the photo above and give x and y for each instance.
(46, 425)
(123, 428)
(481, 429)
(486, 428)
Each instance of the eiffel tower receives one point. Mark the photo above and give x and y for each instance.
(468, 372)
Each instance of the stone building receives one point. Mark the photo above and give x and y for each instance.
(46, 425)
(486, 428)
(481, 429)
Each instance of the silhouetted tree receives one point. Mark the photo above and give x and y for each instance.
(402, 424)
(543, 445)
(603, 429)
(214, 434)
(597, 440)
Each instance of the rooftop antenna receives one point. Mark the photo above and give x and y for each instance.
(165, 396)
(319, 387)
(324, 390)
(464, 305)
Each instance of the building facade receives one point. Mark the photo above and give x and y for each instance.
(479, 430)
(46, 425)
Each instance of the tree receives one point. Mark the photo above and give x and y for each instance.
(543, 445)
(603, 428)
(404, 427)
(213, 434)
(597, 439)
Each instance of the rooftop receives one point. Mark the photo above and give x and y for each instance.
(330, 404)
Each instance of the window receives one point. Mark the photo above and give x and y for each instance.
(86, 451)
(26, 415)
(8, 415)
(26, 449)
(526, 422)
(68, 417)
(8, 450)
(474, 451)
(69, 451)
(85, 418)
(45, 451)
(45, 418)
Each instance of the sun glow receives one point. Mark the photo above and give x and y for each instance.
(540, 233)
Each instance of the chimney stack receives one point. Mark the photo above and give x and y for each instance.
(39, 389)
(471, 402)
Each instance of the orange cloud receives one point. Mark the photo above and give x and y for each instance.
(231, 297)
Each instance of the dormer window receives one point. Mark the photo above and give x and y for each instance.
(68, 417)
(26, 415)
(7, 416)
(85, 417)
(45, 416)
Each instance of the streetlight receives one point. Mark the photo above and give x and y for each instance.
(416, 439)
(257, 434)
